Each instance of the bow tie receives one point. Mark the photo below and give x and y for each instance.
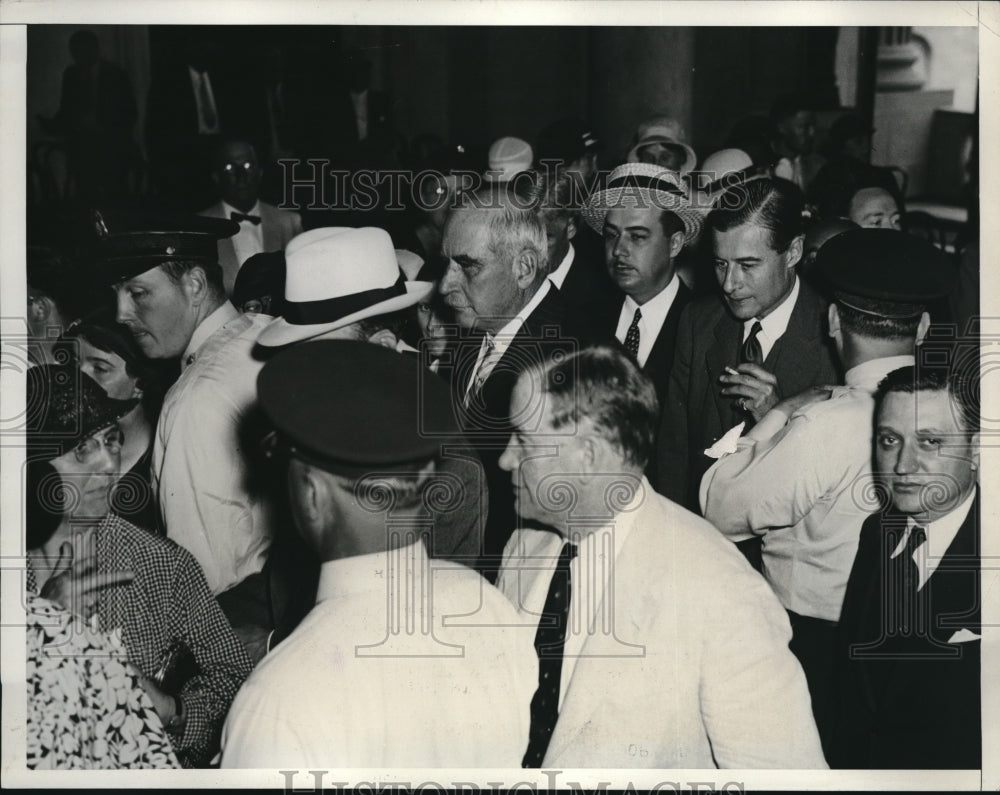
(254, 219)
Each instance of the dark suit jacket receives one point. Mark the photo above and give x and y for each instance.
(920, 706)
(486, 422)
(695, 415)
(587, 288)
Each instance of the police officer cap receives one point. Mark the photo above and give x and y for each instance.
(353, 407)
(885, 265)
(130, 244)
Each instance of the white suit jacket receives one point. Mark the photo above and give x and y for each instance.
(714, 683)
(278, 227)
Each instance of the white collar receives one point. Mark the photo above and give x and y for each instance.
(776, 322)
(867, 374)
(367, 573)
(940, 533)
(228, 210)
(654, 311)
(207, 328)
(558, 276)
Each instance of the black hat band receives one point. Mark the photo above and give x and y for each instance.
(645, 182)
(311, 313)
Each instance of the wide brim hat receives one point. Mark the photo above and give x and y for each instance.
(643, 184)
(662, 130)
(338, 276)
(64, 407)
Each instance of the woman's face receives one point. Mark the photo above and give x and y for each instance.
(88, 472)
(109, 370)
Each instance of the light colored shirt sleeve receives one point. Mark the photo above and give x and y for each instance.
(202, 488)
(767, 484)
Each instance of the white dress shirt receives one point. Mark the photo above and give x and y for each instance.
(381, 675)
(199, 466)
(590, 573)
(940, 534)
(775, 324)
(250, 239)
(654, 313)
(558, 276)
(807, 489)
(196, 80)
(503, 338)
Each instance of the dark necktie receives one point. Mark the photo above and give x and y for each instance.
(208, 115)
(750, 351)
(907, 575)
(240, 217)
(632, 335)
(550, 640)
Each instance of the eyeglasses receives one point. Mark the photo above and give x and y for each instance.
(245, 166)
(88, 448)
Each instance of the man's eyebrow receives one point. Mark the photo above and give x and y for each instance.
(465, 260)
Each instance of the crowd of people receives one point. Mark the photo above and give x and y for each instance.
(571, 463)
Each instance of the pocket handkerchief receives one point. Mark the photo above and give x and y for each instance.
(727, 444)
(963, 636)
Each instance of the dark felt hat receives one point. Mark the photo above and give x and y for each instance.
(262, 275)
(885, 265)
(65, 407)
(129, 245)
(353, 407)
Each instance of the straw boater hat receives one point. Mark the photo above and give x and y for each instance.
(645, 185)
(336, 276)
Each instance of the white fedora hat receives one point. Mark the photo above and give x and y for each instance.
(645, 185)
(338, 276)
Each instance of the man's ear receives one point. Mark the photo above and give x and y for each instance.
(794, 253)
(41, 309)
(195, 285)
(571, 228)
(922, 327)
(676, 244)
(385, 338)
(525, 266)
(833, 318)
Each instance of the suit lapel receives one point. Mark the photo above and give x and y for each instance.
(722, 353)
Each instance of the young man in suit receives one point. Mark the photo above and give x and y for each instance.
(677, 652)
(739, 353)
(236, 175)
(509, 316)
(909, 693)
(646, 218)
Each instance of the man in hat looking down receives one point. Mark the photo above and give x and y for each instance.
(646, 217)
(169, 290)
(801, 478)
(355, 291)
(740, 352)
(375, 676)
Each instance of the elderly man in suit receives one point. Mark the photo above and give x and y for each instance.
(509, 316)
(738, 356)
(676, 654)
(909, 693)
(236, 175)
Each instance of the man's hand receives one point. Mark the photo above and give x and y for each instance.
(755, 389)
(76, 584)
